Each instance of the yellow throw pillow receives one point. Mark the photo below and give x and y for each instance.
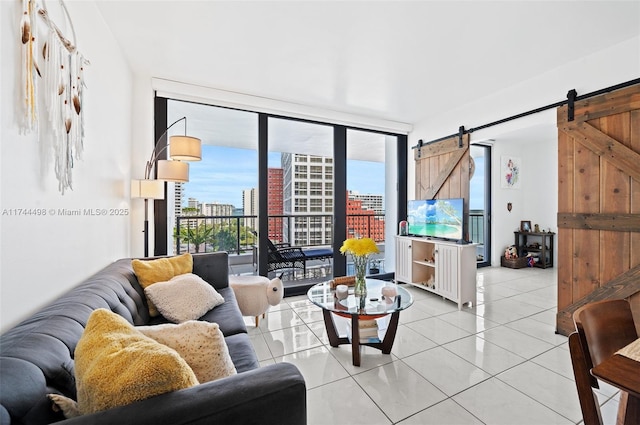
(149, 272)
(201, 344)
(116, 365)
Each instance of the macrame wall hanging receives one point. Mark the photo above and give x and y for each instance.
(53, 87)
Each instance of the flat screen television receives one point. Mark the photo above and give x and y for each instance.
(436, 218)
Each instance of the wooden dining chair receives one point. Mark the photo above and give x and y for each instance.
(584, 382)
(602, 328)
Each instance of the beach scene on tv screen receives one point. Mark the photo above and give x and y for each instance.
(439, 219)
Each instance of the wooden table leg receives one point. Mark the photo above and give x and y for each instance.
(334, 340)
(355, 340)
(390, 335)
(628, 409)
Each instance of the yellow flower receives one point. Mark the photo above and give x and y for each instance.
(359, 247)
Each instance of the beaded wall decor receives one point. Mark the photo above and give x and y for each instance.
(53, 88)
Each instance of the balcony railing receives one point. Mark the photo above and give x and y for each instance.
(237, 234)
(476, 226)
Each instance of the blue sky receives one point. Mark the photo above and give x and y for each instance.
(476, 198)
(223, 173)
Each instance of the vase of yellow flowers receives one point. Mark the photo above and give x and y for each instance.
(360, 250)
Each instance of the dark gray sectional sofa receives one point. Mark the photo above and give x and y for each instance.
(36, 358)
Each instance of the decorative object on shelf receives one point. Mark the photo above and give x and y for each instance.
(342, 292)
(525, 226)
(510, 168)
(530, 260)
(181, 148)
(511, 252)
(360, 250)
(52, 77)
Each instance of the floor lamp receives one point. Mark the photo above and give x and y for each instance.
(181, 148)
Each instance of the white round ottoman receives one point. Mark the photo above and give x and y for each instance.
(256, 293)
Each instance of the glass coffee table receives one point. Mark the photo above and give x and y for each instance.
(373, 306)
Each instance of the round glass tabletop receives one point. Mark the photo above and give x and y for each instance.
(374, 303)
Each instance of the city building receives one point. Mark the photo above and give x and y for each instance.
(178, 194)
(250, 207)
(275, 206)
(370, 201)
(307, 182)
(194, 205)
(363, 221)
(215, 209)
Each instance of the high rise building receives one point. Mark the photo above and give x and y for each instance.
(308, 193)
(178, 193)
(275, 204)
(250, 207)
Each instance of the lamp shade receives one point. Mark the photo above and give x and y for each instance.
(147, 189)
(173, 171)
(185, 148)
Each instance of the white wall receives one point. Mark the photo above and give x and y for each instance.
(533, 139)
(43, 256)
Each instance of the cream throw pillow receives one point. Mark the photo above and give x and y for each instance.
(116, 365)
(201, 344)
(149, 272)
(184, 297)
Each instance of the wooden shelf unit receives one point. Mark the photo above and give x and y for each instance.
(444, 268)
(524, 244)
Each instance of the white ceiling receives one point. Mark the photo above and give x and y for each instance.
(397, 60)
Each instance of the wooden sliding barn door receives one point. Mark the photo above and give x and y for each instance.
(598, 202)
(442, 172)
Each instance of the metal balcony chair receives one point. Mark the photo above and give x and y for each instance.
(283, 256)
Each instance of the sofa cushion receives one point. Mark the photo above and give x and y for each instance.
(117, 365)
(201, 344)
(183, 297)
(149, 272)
(242, 352)
(227, 315)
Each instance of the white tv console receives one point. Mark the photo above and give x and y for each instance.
(444, 268)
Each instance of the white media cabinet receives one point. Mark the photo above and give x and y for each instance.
(444, 268)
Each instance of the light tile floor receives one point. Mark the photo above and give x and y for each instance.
(499, 362)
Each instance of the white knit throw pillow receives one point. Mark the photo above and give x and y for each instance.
(200, 344)
(184, 297)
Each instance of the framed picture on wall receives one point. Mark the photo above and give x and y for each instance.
(510, 172)
(525, 226)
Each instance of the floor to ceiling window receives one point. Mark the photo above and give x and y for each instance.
(223, 184)
(304, 153)
(304, 177)
(366, 190)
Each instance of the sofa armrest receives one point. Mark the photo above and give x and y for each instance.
(274, 394)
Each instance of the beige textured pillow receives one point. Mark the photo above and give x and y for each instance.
(201, 344)
(184, 297)
(150, 272)
(116, 365)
